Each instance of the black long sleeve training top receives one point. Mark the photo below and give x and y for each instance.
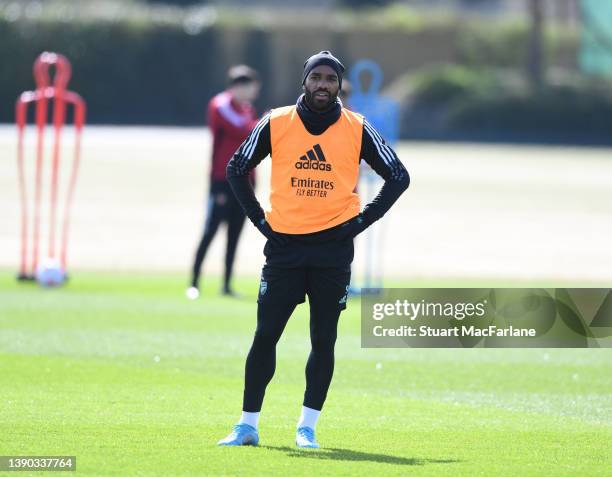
(374, 150)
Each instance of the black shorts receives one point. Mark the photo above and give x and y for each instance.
(317, 265)
(298, 253)
(326, 287)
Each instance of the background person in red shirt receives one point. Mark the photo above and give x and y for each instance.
(231, 117)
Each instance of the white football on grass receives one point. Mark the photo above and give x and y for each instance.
(50, 273)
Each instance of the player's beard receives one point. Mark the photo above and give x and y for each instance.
(311, 102)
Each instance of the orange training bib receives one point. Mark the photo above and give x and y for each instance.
(313, 177)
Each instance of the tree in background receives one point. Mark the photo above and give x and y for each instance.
(180, 3)
(363, 3)
(535, 56)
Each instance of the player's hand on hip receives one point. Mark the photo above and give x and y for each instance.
(276, 238)
(351, 228)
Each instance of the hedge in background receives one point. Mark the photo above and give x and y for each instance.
(458, 102)
(139, 71)
(128, 73)
(576, 111)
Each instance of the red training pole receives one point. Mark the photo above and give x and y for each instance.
(41, 119)
(62, 76)
(20, 118)
(79, 121)
(41, 96)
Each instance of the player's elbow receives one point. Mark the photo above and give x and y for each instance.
(404, 180)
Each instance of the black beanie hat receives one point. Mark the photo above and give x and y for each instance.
(323, 58)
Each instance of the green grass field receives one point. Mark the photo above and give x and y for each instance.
(126, 374)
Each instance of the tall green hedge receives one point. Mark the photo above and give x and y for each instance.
(128, 73)
(139, 71)
(456, 101)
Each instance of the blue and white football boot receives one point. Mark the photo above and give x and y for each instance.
(241, 435)
(305, 438)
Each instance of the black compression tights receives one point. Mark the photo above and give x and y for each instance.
(234, 216)
(261, 360)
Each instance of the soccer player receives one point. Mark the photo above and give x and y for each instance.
(316, 147)
(231, 117)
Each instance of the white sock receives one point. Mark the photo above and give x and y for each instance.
(250, 418)
(308, 418)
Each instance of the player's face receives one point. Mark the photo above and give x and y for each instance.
(321, 87)
(247, 92)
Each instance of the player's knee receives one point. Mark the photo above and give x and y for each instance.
(209, 234)
(266, 337)
(323, 343)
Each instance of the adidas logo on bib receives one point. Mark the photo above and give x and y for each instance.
(314, 159)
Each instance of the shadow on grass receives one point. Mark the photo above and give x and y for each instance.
(331, 453)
